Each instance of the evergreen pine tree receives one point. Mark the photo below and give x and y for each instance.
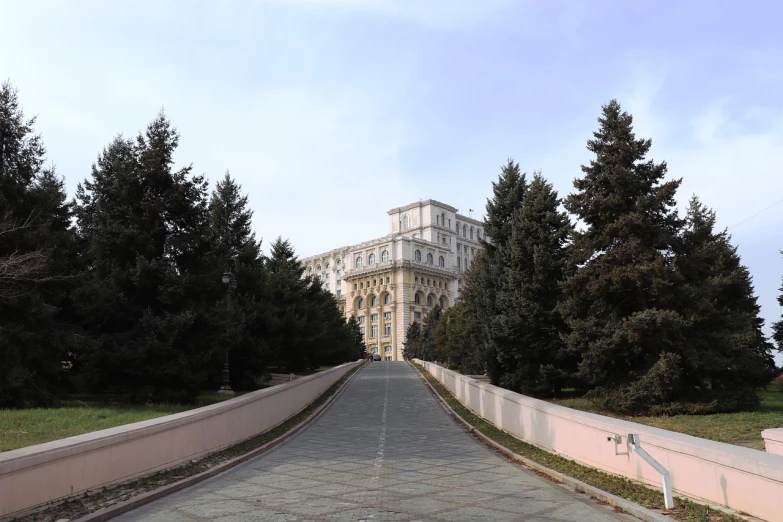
(152, 289)
(621, 304)
(36, 263)
(777, 327)
(458, 339)
(354, 339)
(508, 194)
(230, 218)
(429, 347)
(306, 328)
(726, 357)
(529, 325)
(290, 337)
(478, 298)
(412, 344)
(241, 325)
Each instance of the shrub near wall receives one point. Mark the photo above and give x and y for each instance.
(740, 478)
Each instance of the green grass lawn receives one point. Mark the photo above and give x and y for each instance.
(20, 428)
(742, 429)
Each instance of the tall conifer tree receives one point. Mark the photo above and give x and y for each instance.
(458, 337)
(487, 279)
(412, 344)
(242, 324)
(37, 246)
(777, 327)
(148, 301)
(290, 338)
(726, 356)
(621, 304)
(528, 324)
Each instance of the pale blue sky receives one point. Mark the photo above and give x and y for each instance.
(330, 112)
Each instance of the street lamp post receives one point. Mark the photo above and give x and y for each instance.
(225, 387)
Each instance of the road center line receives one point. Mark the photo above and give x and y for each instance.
(382, 437)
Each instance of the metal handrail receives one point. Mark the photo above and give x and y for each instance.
(634, 444)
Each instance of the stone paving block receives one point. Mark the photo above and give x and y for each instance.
(351, 465)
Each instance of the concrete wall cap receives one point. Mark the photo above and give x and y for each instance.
(745, 459)
(13, 460)
(775, 434)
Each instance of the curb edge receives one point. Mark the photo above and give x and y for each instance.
(119, 508)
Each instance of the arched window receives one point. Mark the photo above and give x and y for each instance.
(443, 219)
(478, 233)
(457, 227)
(459, 262)
(443, 302)
(464, 231)
(371, 259)
(361, 304)
(471, 232)
(387, 299)
(441, 262)
(327, 266)
(416, 299)
(373, 301)
(466, 263)
(429, 259)
(429, 300)
(338, 261)
(384, 256)
(310, 270)
(405, 222)
(359, 262)
(417, 256)
(318, 268)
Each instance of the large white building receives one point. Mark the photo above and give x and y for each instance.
(389, 282)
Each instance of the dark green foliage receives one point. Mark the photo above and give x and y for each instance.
(621, 303)
(231, 221)
(726, 357)
(37, 246)
(289, 338)
(508, 192)
(654, 313)
(662, 314)
(478, 296)
(355, 339)
(777, 328)
(487, 281)
(412, 345)
(458, 338)
(429, 348)
(306, 329)
(146, 233)
(240, 321)
(528, 326)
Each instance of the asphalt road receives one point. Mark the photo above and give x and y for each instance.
(384, 450)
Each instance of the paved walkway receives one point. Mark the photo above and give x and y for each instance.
(384, 450)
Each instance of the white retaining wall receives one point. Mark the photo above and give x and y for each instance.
(38, 474)
(740, 478)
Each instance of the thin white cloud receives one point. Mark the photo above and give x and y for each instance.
(443, 14)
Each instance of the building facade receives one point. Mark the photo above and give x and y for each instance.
(390, 282)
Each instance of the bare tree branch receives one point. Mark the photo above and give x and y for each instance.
(18, 271)
(9, 226)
